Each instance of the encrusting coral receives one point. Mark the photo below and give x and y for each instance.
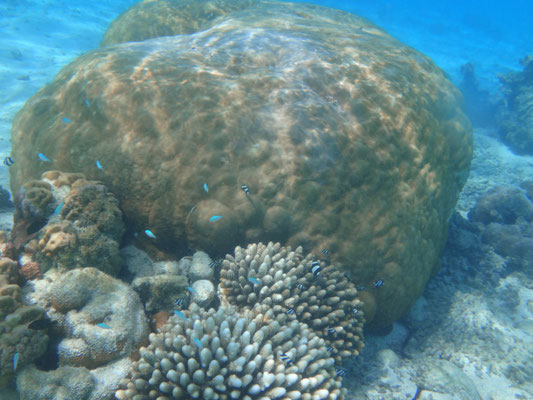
(277, 278)
(19, 344)
(224, 355)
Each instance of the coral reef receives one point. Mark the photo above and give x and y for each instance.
(276, 278)
(504, 218)
(223, 355)
(344, 138)
(77, 223)
(101, 318)
(20, 345)
(5, 199)
(515, 119)
(150, 19)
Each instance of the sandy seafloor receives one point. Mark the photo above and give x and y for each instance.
(462, 340)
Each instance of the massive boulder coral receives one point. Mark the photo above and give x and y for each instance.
(344, 139)
(276, 278)
(101, 318)
(223, 355)
(20, 345)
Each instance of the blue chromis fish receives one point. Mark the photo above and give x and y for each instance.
(215, 218)
(66, 120)
(42, 157)
(59, 207)
(15, 361)
(98, 165)
(191, 289)
(245, 189)
(180, 314)
(149, 233)
(8, 161)
(197, 342)
(87, 102)
(206, 189)
(255, 281)
(103, 326)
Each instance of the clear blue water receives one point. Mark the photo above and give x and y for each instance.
(40, 37)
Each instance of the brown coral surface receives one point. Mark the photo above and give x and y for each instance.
(346, 140)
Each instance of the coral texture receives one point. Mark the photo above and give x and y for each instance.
(223, 355)
(77, 223)
(277, 278)
(101, 318)
(19, 344)
(516, 116)
(344, 139)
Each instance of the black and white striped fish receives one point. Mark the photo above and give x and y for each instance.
(290, 311)
(355, 311)
(325, 251)
(285, 358)
(331, 331)
(245, 189)
(316, 268)
(340, 372)
(300, 286)
(179, 302)
(330, 349)
(378, 283)
(8, 161)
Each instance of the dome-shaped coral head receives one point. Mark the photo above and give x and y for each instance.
(225, 355)
(34, 201)
(303, 288)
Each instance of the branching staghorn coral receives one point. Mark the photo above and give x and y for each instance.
(277, 278)
(225, 355)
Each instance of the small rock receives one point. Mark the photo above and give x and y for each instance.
(200, 268)
(204, 292)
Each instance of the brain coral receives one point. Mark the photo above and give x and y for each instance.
(223, 355)
(274, 277)
(344, 138)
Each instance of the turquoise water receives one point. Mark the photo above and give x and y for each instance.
(468, 336)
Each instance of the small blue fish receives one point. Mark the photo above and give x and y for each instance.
(87, 102)
(362, 287)
(215, 218)
(254, 281)
(191, 290)
(15, 361)
(378, 283)
(98, 165)
(206, 188)
(66, 120)
(180, 314)
(42, 157)
(325, 251)
(8, 161)
(103, 326)
(198, 343)
(245, 189)
(150, 234)
(59, 207)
